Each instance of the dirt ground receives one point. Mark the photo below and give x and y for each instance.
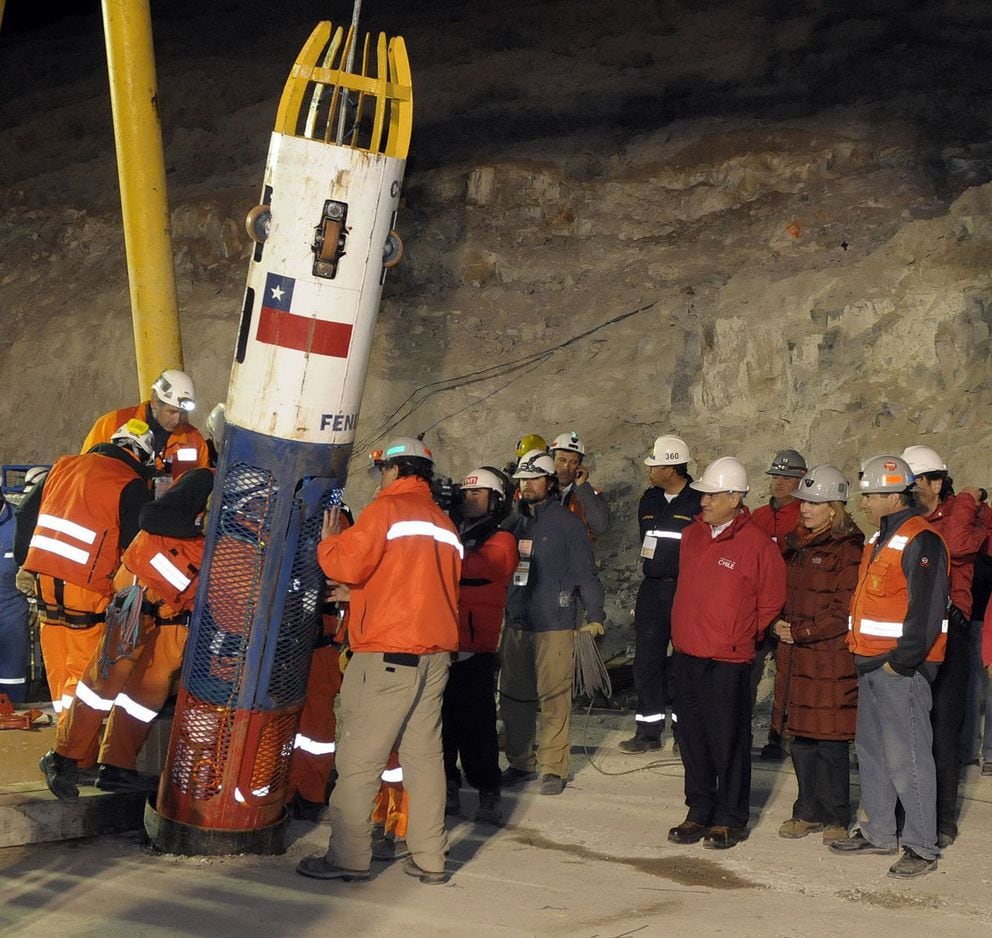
(593, 863)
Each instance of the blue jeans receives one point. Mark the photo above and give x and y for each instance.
(894, 740)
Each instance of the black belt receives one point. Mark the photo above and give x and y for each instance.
(176, 620)
(401, 657)
(73, 620)
(84, 620)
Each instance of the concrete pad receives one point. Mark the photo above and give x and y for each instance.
(593, 862)
(31, 814)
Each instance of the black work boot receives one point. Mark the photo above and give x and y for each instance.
(114, 778)
(489, 811)
(61, 776)
(639, 744)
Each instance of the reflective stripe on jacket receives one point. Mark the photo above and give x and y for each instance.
(169, 566)
(77, 534)
(881, 600)
(403, 560)
(665, 521)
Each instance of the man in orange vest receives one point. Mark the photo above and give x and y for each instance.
(132, 685)
(178, 444)
(898, 630)
(71, 531)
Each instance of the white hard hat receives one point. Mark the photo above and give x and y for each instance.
(534, 465)
(175, 388)
(408, 447)
(668, 451)
(725, 474)
(788, 462)
(568, 441)
(136, 433)
(483, 478)
(823, 484)
(885, 474)
(922, 459)
(34, 475)
(217, 424)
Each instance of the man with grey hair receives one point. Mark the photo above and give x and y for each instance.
(731, 588)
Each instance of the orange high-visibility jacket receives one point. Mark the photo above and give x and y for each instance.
(77, 535)
(881, 600)
(169, 566)
(402, 560)
(185, 448)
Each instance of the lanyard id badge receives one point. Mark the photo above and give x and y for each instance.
(522, 573)
(648, 547)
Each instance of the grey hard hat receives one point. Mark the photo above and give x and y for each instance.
(885, 474)
(824, 484)
(788, 462)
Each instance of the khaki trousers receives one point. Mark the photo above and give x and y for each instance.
(383, 705)
(536, 670)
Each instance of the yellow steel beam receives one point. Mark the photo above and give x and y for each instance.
(144, 203)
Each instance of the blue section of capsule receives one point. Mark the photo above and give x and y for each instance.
(258, 605)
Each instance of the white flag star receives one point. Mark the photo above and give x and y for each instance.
(277, 293)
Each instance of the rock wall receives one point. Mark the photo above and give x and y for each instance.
(755, 224)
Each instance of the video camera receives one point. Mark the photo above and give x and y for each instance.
(448, 496)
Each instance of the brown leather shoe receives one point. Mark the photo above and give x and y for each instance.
(796, 827)
(688, 832)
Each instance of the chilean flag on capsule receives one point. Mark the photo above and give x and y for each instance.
(279, 325)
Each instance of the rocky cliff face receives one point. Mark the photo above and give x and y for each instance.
(756, 224)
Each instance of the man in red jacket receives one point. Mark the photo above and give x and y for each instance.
(469, 709)
(778, 517)
(402, 560)
(957, 520)
(731, 587)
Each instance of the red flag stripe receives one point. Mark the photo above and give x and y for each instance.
(304, 333)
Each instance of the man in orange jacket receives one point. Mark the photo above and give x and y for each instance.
(898, 631)
(71, 531)
(402, 560)
(131, 685)
(178, 444)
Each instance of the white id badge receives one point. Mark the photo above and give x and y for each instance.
(647, 548)
(525, 548)
(521, 574)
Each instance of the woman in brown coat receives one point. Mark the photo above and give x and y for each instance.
(816, 686)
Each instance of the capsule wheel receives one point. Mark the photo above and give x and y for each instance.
(392, 250)
(258, 222)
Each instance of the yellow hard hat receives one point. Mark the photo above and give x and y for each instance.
(530, 442)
